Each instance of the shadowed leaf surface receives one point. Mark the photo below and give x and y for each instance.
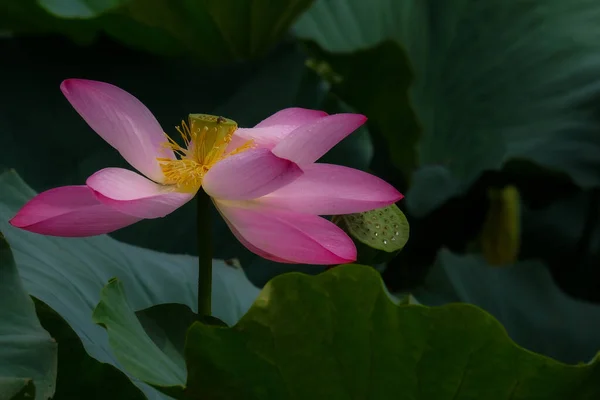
(67, 274)
(212, 31)
(338, 335)
(524, 298)
(493, 81)
(27, 352)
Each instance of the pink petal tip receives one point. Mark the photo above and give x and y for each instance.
(69, 211)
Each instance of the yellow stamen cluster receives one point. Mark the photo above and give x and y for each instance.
(205, 140)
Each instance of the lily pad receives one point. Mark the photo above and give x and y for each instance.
(79, 8)
(81, 376)
(493, 81)
(135, 350)
(339, 336)
(27, 352)
(213, 31)
(67, 274)
(524, 298)
(16, 389)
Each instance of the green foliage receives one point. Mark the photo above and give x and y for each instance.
(566, 237)
(523, 296)
(211, 31)
(345, 26)
(79, 375)
(494, 81)
(462, 96)
(132, 346)
(26, 17)
(375, 82)
(27, 352)
(16, 389)
(338, 335)
(68, 274)
(79, 8)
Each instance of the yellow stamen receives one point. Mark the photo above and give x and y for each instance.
(205, 140)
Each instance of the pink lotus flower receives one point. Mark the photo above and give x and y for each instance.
(264, 180)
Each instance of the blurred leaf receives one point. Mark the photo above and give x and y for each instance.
(432, 186)
(375, 82)
(79, 8)
(339, 333)
(68, 273)
(494, 80)
(26, 17)
(501, 233)
(346, 26)
(79, 375)
(358, 53)
(457, 223)
(524, 298)
(213, 31)
(408, 299)
(566, 237)
(16, 389)
(27, 351)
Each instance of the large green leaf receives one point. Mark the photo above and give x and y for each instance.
(27, 352)
(25, 16)
(16, 389)
(494, 81)
(133, 347)
(79, 8)
(345, 26)
(79, 375)
(358, 53)
(524, 298)
(375, 82)
(339, 336)
(68, 274)
(213, 31)
(566, 237)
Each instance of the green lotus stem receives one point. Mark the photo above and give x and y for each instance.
(204, 254)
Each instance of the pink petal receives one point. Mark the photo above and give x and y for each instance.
(253, 248)
(286, 235)
(308, 143)
(131, 193)
(272, 130)
(326, 189)
(69, 211)
(248, 175)
(122, 120)
(293, 116)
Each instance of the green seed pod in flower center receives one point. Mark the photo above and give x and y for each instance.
(205, 140)
(213, 133)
